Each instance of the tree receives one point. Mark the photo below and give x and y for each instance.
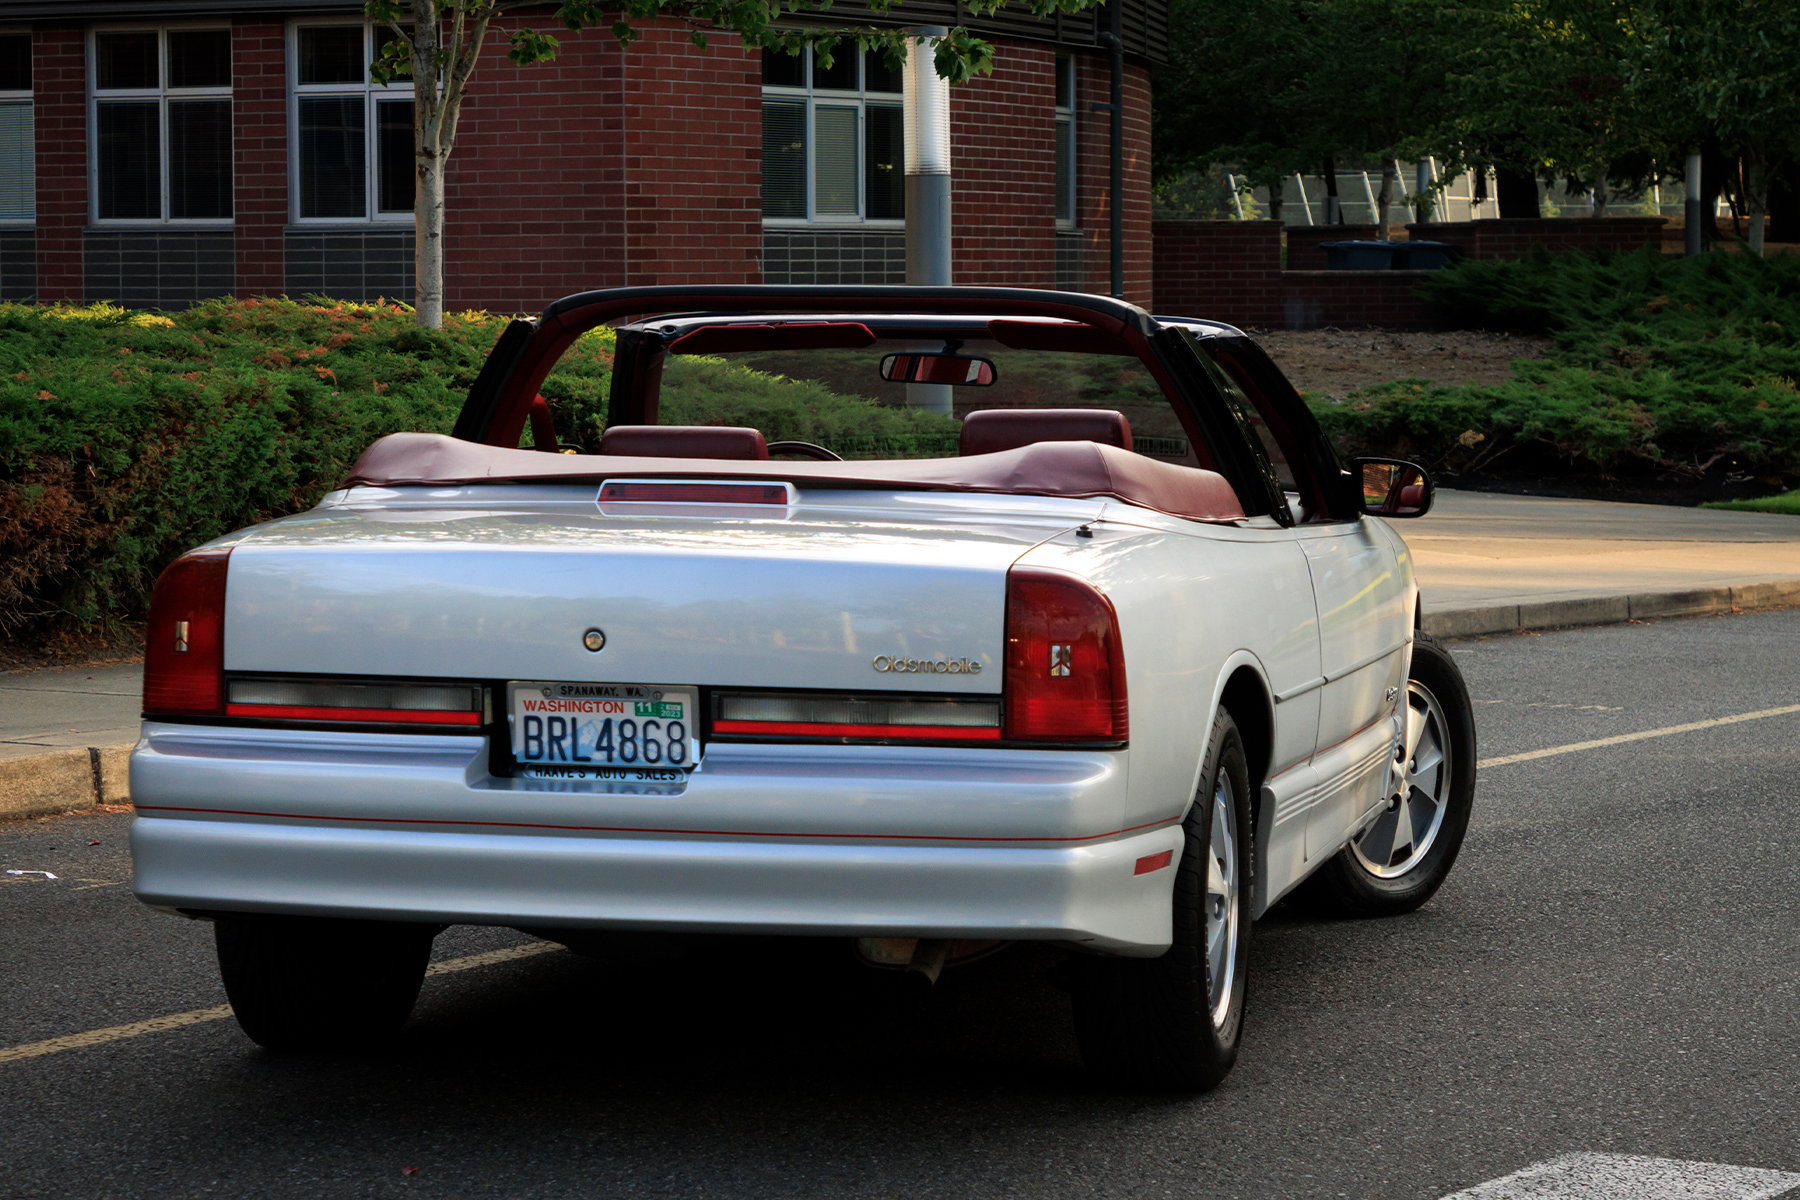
(1232, 94)
(1279, 87)
(1731, 71)
(438, 43)
(1540, 88)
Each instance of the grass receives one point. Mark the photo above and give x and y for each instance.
(1787, 504)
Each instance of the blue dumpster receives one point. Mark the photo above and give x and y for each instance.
(1360, 256)
(1426, 256)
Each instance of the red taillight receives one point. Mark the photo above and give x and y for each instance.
(184, 651)
(657, 492)
(1065, 667)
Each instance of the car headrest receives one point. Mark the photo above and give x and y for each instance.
(684, 441)
(994, 429)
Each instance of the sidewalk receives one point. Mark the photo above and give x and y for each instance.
(1486, 564)
(1490, 564)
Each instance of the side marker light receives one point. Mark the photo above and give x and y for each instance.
(1153, 862)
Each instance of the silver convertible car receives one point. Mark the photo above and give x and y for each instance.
(1065, 624)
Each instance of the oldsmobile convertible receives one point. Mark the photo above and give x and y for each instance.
(1085, 636)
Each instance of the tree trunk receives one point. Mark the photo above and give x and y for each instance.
(1390, 179)
(1517, 193)
(1783, 204)
(1713, 165)
(428, 198)
(428, 236)
(1756, 199)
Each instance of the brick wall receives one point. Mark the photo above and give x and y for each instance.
(1355, 300)
(1509, 238)
(1304, 242)
(1003, 171)
(1229, 270)
(1221, 270)
(1093, 149)
(59, 118)
(534, 187)
(259, 154)
(611, 167)
(692, 160)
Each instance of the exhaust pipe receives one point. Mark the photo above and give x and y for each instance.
(927, 961)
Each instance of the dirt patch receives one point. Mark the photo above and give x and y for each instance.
(1336, 362)
(73, 649)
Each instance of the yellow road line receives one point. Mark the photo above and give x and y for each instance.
(1690, 727)
(199, 1016)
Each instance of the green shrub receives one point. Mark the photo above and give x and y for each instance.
(1671, 366)
(128, 438)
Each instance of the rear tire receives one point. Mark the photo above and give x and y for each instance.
(1174, 1022)
(1400, 860)
(311, 984)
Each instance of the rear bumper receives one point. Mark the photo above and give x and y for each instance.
(842, 841)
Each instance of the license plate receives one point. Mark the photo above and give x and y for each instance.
(603, 730)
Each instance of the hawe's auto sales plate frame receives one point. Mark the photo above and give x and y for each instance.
(636, 732)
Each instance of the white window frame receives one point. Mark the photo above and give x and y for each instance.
(1065, 116)
(371, 93)
(162, 94)
(860, 99)
(13, 96)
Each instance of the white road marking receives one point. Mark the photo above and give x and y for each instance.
(199, 1016)
(1589, 1176)
(1621, 739)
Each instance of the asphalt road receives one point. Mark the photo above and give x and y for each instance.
(1610, 968)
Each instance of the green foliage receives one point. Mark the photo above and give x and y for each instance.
(1669, 366)
(127, 438)
(1275, 87)
(711, 391)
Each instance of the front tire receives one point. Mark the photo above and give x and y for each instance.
(1174, 1022)
(311, 984)
(1400, 860)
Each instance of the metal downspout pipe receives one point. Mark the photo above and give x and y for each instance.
(1113, 39)
(927, 122)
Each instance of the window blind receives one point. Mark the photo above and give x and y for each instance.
(784, 158)
(18, 179)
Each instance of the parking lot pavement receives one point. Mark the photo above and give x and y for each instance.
(1602, 997)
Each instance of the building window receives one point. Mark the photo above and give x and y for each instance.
(832, 145)
(352, 140)
(18, 166)
(1065, 141)
(162, 124)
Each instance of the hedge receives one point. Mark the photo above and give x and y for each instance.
(1660, 367)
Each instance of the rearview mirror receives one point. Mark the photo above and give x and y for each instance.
(1392, 487)
(937, 368)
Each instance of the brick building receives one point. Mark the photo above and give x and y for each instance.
(162, 151)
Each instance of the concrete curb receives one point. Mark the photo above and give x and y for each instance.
(60, 781)
(1610, 610)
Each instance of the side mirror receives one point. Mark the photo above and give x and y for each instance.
(937, 368)
(1392, 487)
